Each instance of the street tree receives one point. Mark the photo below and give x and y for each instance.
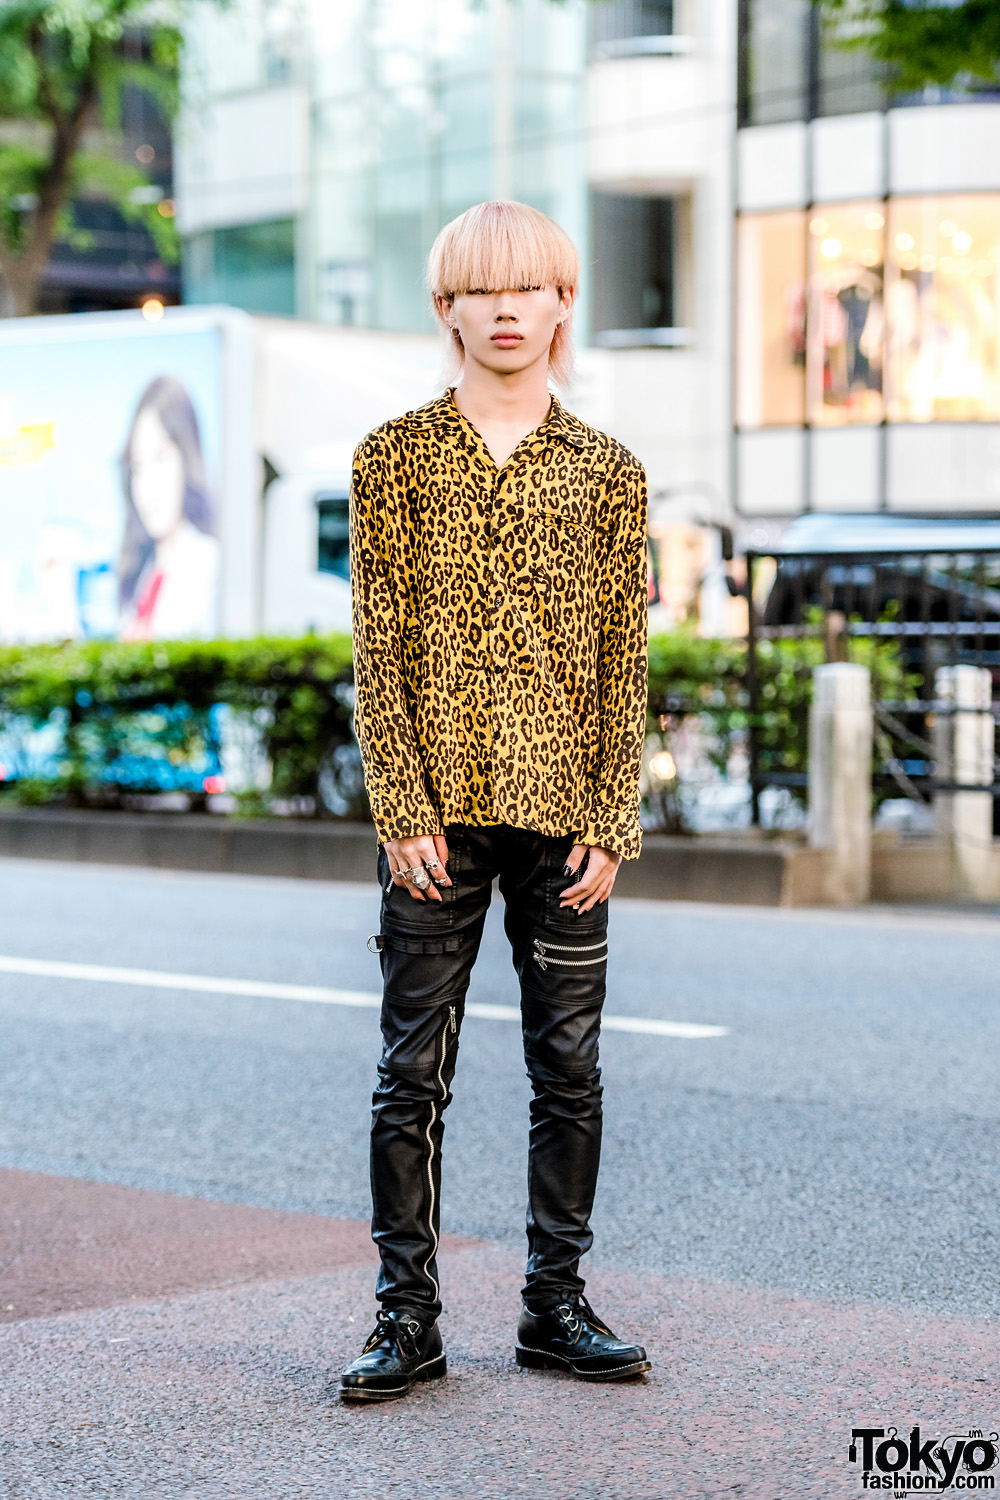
(922, 43)
(64, 68)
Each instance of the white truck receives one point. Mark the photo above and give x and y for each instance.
(186, 476)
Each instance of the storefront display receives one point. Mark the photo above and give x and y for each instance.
(845, 314)
(891, 312)
(771, 352)
(943, 280)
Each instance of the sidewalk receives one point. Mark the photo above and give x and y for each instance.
(169, 1347)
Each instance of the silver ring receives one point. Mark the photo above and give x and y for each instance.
(421, 878)
(432, 864)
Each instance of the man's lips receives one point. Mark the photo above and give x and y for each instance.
(507, 338)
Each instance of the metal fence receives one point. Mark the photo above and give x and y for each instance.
(903, 615)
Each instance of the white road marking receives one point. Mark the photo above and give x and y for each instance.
(312, 994)
(691, 1030)
(649, 1026)
(205, 983)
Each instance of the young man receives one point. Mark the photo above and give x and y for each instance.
(498, 566)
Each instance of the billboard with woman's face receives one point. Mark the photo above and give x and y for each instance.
(110, 471)
(169, 559)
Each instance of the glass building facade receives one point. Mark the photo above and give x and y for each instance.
(247, 265)
(797, 61)
(416, 110)
(867, 311)
(793, 66)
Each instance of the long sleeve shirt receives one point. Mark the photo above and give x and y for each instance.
(499, 628)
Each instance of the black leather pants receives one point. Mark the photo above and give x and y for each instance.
(427, 950)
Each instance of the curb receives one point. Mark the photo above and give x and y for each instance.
(670, 869)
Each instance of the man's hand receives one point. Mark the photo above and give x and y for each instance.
(407, 857)
(596, 880)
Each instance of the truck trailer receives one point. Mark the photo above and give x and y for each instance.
(187, 476)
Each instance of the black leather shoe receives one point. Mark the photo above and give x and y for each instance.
(399, 1351)
(572, 1337)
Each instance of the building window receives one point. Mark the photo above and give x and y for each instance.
(347, 289)
(635, 282)
(908, 307)
(943, 296)
(793, 66)
(250, 266)
(280, 40)
(773, 61)
(631, 28)
(847, 80)
(845, 314)
(332, 548)
(771, 300)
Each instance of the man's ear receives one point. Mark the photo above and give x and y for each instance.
(443, 307)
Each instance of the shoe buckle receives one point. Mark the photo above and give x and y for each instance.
(569, 1318)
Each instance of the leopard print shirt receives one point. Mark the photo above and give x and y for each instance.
(499, 628)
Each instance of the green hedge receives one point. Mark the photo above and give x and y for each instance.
(121, 718)
(137, 704)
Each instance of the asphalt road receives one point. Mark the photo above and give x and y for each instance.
(839, 1142)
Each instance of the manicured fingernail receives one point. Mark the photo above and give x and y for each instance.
(567, 869)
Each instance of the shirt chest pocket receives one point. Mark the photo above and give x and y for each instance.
(565, 505)
(564, 534)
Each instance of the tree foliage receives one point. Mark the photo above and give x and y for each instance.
(64, 66)
(922, 42)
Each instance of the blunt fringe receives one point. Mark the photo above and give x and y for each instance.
(494, 247)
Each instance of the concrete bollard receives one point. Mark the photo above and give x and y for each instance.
(964, 753)
(840, 779)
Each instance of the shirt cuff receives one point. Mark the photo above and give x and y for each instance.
(406, 825)
(614, 828)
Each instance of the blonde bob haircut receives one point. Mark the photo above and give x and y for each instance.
(497, 247)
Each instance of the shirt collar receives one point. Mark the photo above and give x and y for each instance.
(562, 422)
(443, 417)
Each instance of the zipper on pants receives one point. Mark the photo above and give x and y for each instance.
(544, 950)
(450, 1026)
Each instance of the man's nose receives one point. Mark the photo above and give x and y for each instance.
(506, 315)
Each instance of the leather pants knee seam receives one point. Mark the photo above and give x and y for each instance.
(571, 1007)
(405, 1002)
